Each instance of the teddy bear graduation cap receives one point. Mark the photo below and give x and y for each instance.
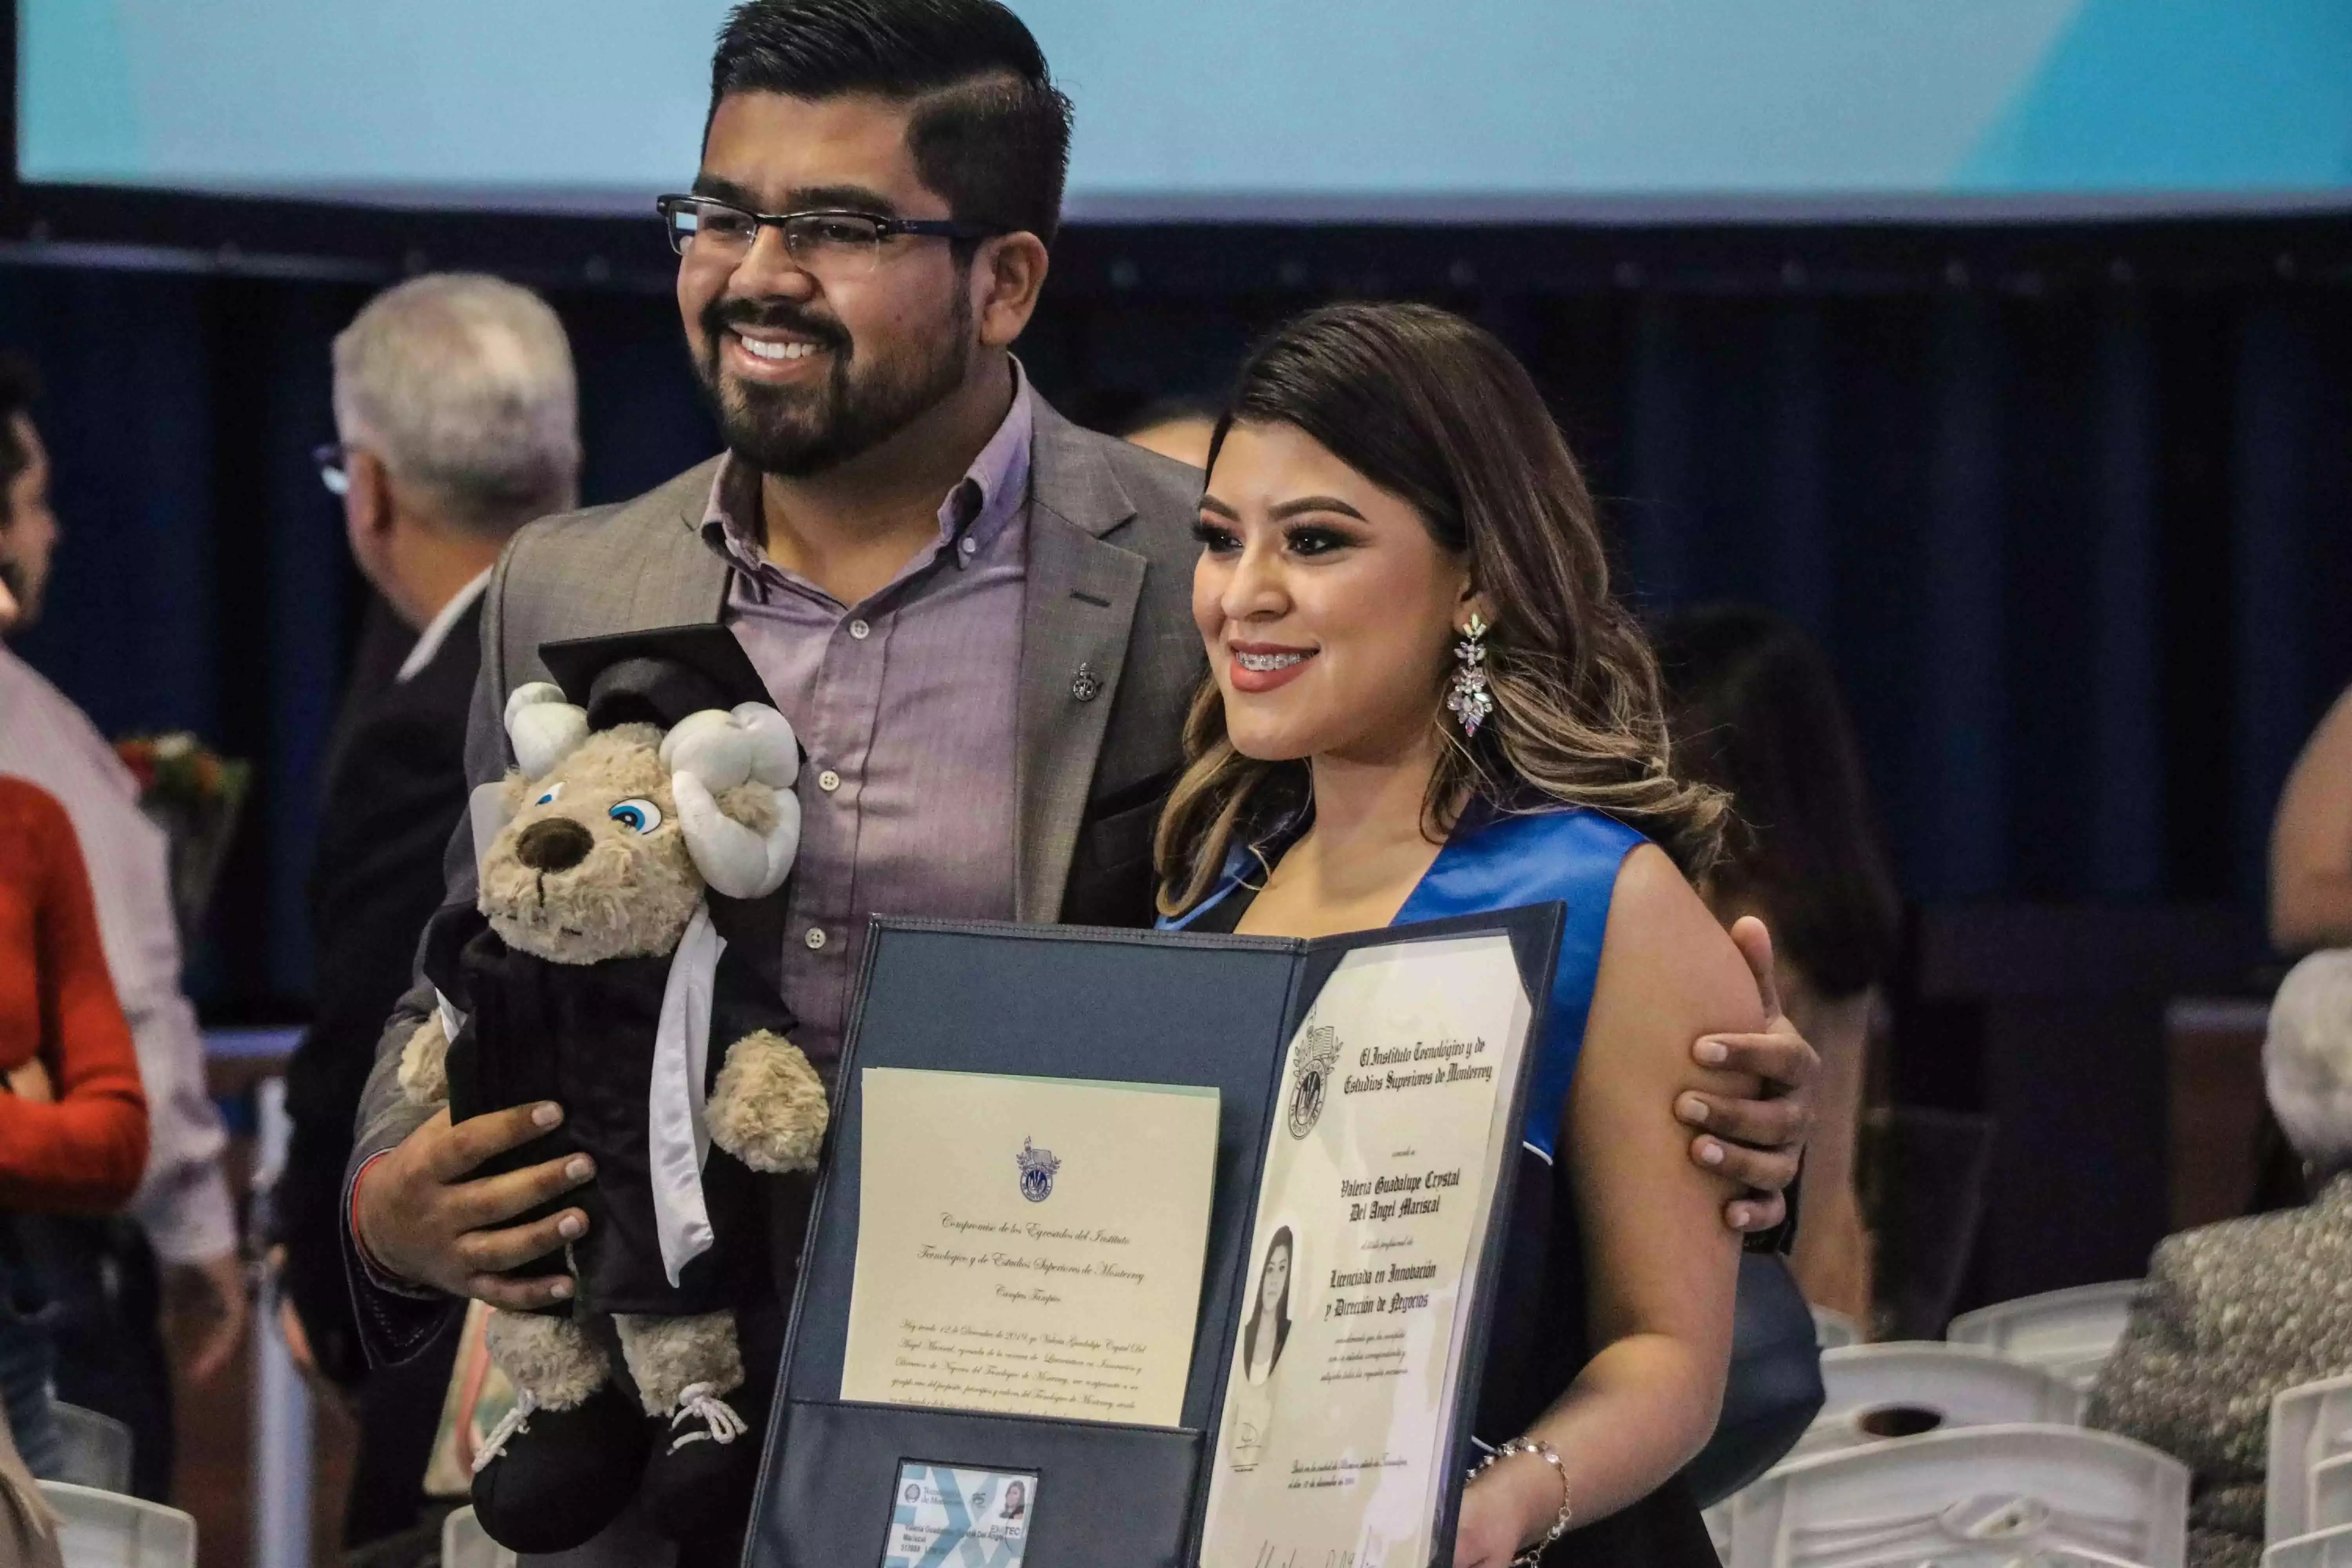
(652, 778)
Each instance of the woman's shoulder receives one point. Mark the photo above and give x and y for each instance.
(1664, 941)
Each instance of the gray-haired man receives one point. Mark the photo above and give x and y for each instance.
(457, 409)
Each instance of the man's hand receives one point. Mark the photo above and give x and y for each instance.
(1758, 1143)
(207, 1307)
(420, 1218)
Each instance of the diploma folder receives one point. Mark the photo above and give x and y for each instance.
(1148, 1007)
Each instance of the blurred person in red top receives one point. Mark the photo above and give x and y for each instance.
(73, 1120)
(114, 1281)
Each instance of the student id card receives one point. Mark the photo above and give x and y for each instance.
(942, 1517)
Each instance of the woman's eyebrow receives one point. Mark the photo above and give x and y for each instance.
(1290, 509)
(1211, 503)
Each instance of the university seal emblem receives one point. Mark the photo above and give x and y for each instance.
(1317, 1054)
(1037, 1168)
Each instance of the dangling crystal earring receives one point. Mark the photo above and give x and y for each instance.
(1467, 697)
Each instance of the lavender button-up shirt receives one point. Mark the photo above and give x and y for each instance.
(904, 704)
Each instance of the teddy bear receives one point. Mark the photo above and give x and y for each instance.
(645, 816)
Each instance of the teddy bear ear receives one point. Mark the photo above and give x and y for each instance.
(751, 743)
(542, 727)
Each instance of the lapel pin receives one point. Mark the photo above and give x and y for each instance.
(1086, 686)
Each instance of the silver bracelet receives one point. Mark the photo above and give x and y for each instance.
(1550, 1456)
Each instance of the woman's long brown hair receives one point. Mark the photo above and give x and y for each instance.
(1436, 411)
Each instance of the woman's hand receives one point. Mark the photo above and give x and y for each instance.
(1511, 1504)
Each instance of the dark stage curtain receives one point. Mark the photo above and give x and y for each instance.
(2082, 553)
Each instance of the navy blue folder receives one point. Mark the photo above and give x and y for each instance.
(1066, 1002)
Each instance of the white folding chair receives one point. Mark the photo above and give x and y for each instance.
(2319, 1549)
(1982, 1497)
(1834, 1331)
(2310, 1424)
(464, 1544)
(97, 1450)
(108, 1529)
(2331, 1494)
(1874, 1392)
(2070, 1332)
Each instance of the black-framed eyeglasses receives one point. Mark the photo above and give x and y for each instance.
(334, 461)
(829, 243)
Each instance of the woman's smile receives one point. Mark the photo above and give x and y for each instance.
(1260, 668)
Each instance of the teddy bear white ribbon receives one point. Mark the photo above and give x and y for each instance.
(678, 1132)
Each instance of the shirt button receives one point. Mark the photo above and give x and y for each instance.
(968, 545)
(860, 630)
(828, 781)
(815, 939)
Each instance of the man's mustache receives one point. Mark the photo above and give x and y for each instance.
(777, 315)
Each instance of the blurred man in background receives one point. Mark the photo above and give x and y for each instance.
(1178, 427)
(111, 1349)
(457, 407)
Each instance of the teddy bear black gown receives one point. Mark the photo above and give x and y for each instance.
(576, 1035)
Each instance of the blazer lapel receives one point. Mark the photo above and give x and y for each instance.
(683, 581)
(1080, 605)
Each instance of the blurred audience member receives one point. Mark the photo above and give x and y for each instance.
(1757, 713)
(455, 403)
(111, 1355)
(2235, 1313)
(1177, 427)
(2311, 842)
(73, 1122)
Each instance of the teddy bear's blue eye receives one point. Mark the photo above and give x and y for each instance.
(548, 799)
(636, 815)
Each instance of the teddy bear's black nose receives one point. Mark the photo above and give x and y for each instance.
(557, 844)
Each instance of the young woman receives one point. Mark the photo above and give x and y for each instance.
(1756, 712)
(73, 1120)
(1424, 700)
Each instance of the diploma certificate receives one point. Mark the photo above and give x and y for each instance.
(1379, 1176)
(1031, 1246)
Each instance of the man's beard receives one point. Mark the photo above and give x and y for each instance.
(798, 431)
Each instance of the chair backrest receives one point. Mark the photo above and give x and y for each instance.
(2310, 1424)
(1834, 1331)
(465, 1544)
(2331, 1494)
(1878, 1391)
(1975, 1499)
(2070, 1332)
(2319, 1549)
(107, 1530)
(97, 1450)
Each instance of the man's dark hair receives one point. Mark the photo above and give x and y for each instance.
(991, 132)
(20, 385)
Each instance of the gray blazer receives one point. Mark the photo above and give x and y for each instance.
(2232, 1315)
(1110, 587)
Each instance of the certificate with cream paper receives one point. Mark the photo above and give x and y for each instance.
(1029, 1246)
(1382, 1162)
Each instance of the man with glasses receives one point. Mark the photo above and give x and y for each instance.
(457, 407)
(976, 615)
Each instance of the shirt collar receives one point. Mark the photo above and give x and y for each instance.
(971, 515)
(437, 630)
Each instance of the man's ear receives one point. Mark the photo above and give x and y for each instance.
(1008, 273)
(368, 505)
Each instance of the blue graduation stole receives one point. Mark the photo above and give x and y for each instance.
(1500, 862)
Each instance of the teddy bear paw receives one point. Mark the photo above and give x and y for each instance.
(768, 1108)
(425, 1064)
